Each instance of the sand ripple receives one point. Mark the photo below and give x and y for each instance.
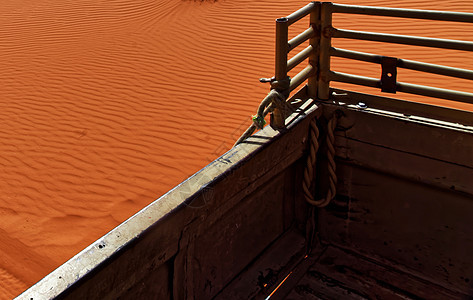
(105, 105)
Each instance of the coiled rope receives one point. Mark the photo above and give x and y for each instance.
(311, 162)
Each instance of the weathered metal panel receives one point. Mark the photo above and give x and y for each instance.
(214, 249)
(418, 168)
(404, 107)
(405, 196)
(262, 276)
(235, 244)
(157, 284)
(341, 274)
(155, 238)
(426, 230)
(442, 141)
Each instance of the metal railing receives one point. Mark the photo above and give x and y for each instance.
(319, 52)
(285, 46)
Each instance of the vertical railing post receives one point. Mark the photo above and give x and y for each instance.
(281, 48)
(280, 72)
(325, 44)
(315, 43)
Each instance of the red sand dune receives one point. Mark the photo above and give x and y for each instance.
(106, 105)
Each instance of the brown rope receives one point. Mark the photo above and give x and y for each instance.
(311, 163)
(311, 159)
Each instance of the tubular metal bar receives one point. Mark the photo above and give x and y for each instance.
(280, 72)
(299, 39)
(361, 56)
(301, 77)
(404, 13)
(407, 107)
(404, 63)
(435, 92)
(299, 57)
(404, 87)
(281, 48)
(314, 56)
(323, 87)
(299, 14)
(403, 39)
(354, 79)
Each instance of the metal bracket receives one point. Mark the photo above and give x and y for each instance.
(388, 74)
(265, 80)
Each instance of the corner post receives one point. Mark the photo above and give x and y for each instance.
(325, 44)
(315, 43)
(280, 72)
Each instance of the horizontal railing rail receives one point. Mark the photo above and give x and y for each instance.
(302, 12)
(320, 33)
(404, 87)
(388, 81)
(434, 15)
(316, 75)
(281, 84)
(299, 57)
(404, 63)
(403, 39)
(284, 46)
(301, 38)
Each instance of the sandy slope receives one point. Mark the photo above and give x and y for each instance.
(105, 105)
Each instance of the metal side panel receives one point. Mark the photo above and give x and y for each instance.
(196, 238)
(404, 195)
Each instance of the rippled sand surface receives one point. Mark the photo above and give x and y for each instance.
(106, 105)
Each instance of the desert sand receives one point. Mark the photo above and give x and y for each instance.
(106, 105)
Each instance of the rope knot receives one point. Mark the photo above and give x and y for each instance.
(277, 99)
(274, 102)
(281, 86)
